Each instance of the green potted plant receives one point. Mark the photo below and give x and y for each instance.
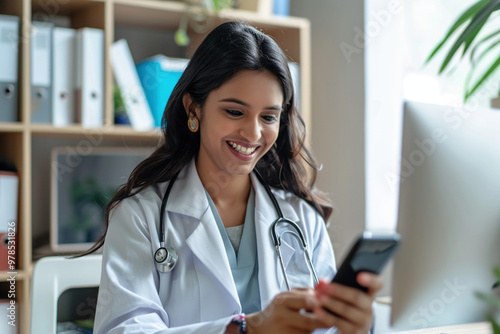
(202, 11)
(475, 18)
(120, 113)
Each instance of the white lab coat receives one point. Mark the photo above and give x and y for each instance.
(199, 294)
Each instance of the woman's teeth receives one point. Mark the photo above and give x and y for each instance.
(241, 149)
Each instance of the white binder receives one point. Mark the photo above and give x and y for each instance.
(133, 96)
(89, 83)
(9, 32)
(4, 314)
(9, 182)
(63, 76)
(295, 72)
(41, 95)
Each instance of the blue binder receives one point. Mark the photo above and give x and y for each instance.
(158, 76)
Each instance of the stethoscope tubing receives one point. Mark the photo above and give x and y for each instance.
(165, 258)
(297, 233)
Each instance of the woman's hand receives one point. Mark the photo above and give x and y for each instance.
(350, 309)
(289, 312)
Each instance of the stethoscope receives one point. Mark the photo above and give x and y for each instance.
(166, 257)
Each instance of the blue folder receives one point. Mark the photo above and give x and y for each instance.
(158, 76)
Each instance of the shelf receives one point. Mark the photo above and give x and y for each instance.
(63, 8)
(82, 13)
(45, 251)
(11, 146)
(11, 8)
(12, 127)
(131, 11)
(165, 15)
(149, 14)
(108, 132)
(20, 275)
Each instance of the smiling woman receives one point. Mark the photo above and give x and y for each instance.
(234, 145)
(239, 124)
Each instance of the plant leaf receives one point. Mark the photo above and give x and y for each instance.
(497, 272)
(493, 6)
(490, 299)
(469, 12)
(476, 62)
(221, 4)
(470, 32)
(494, 325)
(485, 52)
(181, 37)
(481, 42)
(476, 28)
(490, 70)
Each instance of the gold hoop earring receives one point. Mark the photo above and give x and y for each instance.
(193, 124)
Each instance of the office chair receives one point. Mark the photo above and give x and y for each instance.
(54, 275)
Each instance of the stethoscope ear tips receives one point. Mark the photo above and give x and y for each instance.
(165, 259)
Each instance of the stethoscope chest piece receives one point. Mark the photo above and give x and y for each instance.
(165, 259)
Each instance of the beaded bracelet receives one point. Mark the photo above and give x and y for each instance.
(239, 320)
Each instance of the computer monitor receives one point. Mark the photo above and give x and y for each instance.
(448, 217)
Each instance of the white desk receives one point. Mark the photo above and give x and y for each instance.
(383, 316)
(477, 328)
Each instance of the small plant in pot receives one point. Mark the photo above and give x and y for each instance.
(199, 14)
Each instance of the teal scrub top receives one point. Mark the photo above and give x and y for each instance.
(244, 265)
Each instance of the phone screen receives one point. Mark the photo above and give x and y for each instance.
(369, 253)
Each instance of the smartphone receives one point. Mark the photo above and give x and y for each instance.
(370, 253)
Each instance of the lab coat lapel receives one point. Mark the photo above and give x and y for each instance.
(271, 279)
(204, 240)
(206, 244)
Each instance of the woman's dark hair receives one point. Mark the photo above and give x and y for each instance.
(230, 48)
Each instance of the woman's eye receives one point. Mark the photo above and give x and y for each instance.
(270, 118)
(234, 112)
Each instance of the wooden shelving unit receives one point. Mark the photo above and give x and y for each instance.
(28, 145)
